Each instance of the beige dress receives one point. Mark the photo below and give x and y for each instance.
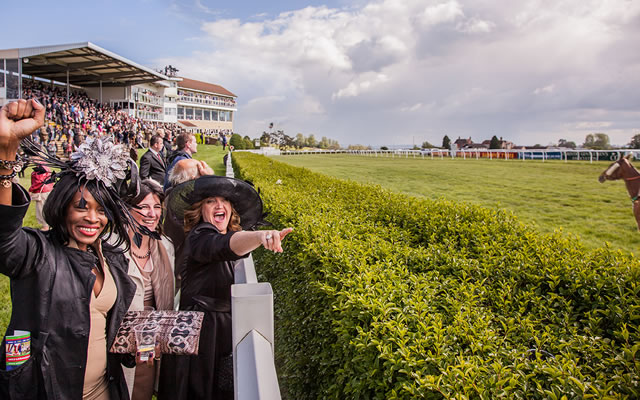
(95, 377)
(145, 374)
(155, 289)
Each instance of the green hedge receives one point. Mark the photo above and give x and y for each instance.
(384, 296)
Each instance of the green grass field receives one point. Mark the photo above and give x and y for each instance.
(551, 195)
(211, 154)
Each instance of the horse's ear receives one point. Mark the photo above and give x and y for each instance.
(629, 156)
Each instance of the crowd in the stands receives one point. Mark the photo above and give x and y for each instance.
(71, 121)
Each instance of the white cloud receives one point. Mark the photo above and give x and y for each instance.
(525, 71)
(201, 7)
(257, 101)
(545, 90)
(367, 82)
(442, 13)
(590, 125)
(477, 26)
(413, 108)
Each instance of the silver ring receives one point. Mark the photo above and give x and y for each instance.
(268, 237)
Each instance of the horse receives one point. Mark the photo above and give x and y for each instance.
(622, 169)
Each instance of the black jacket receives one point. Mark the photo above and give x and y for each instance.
(152, 166)
(206, 266)
(50, 289)
(168, 148)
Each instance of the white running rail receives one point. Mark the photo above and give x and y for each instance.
(254, 370)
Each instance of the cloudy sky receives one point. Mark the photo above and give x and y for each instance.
(383, 72)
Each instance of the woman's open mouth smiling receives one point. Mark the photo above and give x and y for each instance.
(219, 216)
(150, 222)
(88, 231)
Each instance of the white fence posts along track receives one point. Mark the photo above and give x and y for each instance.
(513, 154)
(254, 370)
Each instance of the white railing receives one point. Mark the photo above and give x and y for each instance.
(148, 115)
(208, 102)
(498, 154)
(148, 98)
(254, 370)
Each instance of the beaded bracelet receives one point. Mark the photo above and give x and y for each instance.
(16, 165)
(5, 180)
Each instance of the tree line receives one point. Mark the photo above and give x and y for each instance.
(280, 139)
(593, 141)
(599, 141)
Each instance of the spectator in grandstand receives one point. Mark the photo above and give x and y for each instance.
(35, 136)
(26, 159)
(147, 136)
(68, 147)
(218, 214)
(151, 163)
(133, 153)
(167, 142)
(47, 133)
(77, 140)
(139, 141)
(40, 189)
(186, 147)
(69, 288)
(52, 148)
(151, 269)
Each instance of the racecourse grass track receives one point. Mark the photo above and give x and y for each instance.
(550, 195)
(211, 154)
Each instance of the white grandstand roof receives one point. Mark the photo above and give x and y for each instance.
(86, 63)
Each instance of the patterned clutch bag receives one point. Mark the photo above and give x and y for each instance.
(176, 332)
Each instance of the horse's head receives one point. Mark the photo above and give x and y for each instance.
(616, 169)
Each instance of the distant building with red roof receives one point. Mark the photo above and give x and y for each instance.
(204, 106)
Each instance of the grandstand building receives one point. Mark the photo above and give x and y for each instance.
(109, 78)
(205, 107)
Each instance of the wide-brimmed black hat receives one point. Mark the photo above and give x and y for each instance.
(242, 195)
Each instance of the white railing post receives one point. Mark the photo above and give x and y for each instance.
(254, 370)
(245, 271)
(230, 173)
(259, 383)
(253, 302)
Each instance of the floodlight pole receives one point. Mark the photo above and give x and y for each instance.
(68, 88)
(20, 78)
